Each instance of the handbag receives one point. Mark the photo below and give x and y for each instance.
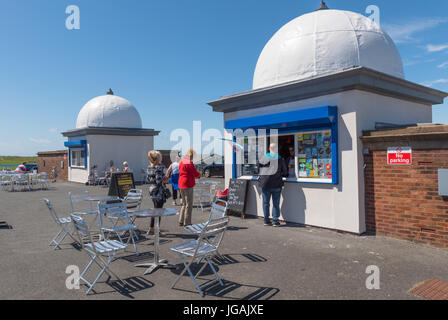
(166, 192)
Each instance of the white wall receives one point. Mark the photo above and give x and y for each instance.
(134, 150)
(338, 207)
(103, 148)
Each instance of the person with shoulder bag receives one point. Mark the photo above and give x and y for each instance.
(156, 179)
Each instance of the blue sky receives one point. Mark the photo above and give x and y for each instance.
(168, 58)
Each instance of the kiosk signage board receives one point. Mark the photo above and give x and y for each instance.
(399, 156)
(236, 198)
(120, 184)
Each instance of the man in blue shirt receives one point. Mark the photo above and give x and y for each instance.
(272, 171)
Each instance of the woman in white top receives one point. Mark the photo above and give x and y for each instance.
(173, 174)
(126, 168)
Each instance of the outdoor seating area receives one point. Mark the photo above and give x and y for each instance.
(12, 181)
(103, 226)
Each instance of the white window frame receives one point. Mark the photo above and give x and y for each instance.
(82, 160)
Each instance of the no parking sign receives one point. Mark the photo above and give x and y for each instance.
(399, 156)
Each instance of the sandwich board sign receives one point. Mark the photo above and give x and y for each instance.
(399, 156)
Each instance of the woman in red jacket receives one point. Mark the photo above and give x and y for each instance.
(187, 176)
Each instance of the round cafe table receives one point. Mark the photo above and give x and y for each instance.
(101, 198)
(155, 213)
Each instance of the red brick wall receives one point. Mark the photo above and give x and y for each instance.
(403, 201)
(46, 162)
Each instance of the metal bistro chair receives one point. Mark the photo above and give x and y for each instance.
(117, 213)
(32, 180)
(42, 180)
(101, 252)
(6, 181)
(202, 248)
(64, 224)
(22, 180)
(217, 211)
(202, 195)
(133, 202)
(77, 197)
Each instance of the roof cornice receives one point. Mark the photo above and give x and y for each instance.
(110, 131)
(357, 78)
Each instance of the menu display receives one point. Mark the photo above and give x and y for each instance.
(314, 155)
(120, 184)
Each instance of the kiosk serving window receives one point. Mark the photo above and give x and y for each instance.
(308, 156)
(307, 139)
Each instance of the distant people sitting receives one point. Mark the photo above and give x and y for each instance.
(126, 168)
(21, 168)
(111, 169)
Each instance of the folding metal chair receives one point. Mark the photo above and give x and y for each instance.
(42, 179)
(77, 197)
(98, 251)
(118, 215)
(202, 195)
(6, 181)
(205, 247)
(217, 211)
(133, 200)
(64, 224)
(22, 180)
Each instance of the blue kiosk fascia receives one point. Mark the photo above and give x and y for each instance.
(311, 119)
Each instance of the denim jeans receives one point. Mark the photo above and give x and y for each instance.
(276, 193)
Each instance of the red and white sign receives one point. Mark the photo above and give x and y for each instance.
(399, 156)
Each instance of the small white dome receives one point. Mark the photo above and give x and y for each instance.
(326, 41)
(109, 111)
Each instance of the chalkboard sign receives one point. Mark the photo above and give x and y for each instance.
(236, 198)
(120, 184)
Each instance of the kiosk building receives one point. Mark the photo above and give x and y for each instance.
(108, 128)
(320, 81)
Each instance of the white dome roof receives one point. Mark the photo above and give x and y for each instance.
(109, 111)
(326, 41)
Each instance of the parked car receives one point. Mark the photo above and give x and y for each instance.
(31, 167)
(214, 169)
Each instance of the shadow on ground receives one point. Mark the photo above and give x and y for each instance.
(127, 287)
(234, 291)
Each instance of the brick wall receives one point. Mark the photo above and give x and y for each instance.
(47, 160)
(403, 201)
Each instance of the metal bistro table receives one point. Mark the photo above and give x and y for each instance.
(101, 198)
(155, 213)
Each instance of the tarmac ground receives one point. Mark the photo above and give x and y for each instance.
(258, 262)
